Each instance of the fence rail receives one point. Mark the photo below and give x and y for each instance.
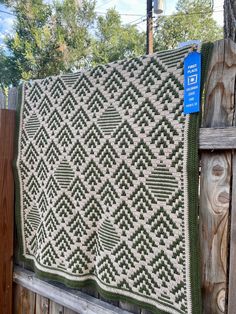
(71, 299)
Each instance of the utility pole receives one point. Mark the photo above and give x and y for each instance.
(149, 27)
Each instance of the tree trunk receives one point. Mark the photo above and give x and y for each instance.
(230, 19)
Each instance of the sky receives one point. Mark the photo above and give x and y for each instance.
(132, 11)
(6, 23)
(139, 7)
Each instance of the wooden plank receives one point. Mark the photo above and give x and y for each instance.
(2, 100)
(69, 298)
(220, 86)
(28, 302)
(42, 305)
(56, 308)
(17, 304)
(232, 259)
(215, 179)
(214, 214)
(7, 126)
(24, 301)
(217, 138)
(12, 98)
(68, 311)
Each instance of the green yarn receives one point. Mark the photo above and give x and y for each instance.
(106, 182)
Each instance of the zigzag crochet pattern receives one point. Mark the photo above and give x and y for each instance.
(106, 176)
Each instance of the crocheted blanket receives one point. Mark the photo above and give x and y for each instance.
(106, 176)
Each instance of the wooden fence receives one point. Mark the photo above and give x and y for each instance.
(217, 210)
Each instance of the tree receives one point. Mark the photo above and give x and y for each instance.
(230, 19)
(7, 68)
(49, 39)
(27, 51)
(54, 38)
(114, 41)
(74, 20)
(193, 20)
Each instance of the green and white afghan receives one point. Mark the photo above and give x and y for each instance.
(106, 176)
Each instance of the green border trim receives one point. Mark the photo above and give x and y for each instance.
(20, 103)
(192, 173)
(193, 182)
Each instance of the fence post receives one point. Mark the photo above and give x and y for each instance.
(232, 248)
(7, 127)
(215, 184)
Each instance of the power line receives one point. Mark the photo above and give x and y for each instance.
(167, 15)
(102, 5)
(140, 15)
(144, 20)
(174, 14)
(102, 13)
(193, 13)
(122, 14)
(138, 21)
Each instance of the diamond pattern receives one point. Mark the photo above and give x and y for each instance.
(101, 170)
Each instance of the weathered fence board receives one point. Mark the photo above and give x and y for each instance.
(8, 100)
(220, 86)
(28, 302)
(214, 211)
(42, 305)
(215, 179)
(2, 100)
(7, 126)
(67, 311)
(71, 299)
(56, 308)
(24, 301)
(12, 98)
(232, 264)
(217, 138)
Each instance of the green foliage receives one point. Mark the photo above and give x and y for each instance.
(7, 69)
(59, 37)
(31, 44)
(193, 20)
(49, 39)
(52, 38)
(73, 23)
(115, 41)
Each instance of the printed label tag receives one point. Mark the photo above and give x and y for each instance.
(192, 82)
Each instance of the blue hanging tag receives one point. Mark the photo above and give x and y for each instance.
(192, 82)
